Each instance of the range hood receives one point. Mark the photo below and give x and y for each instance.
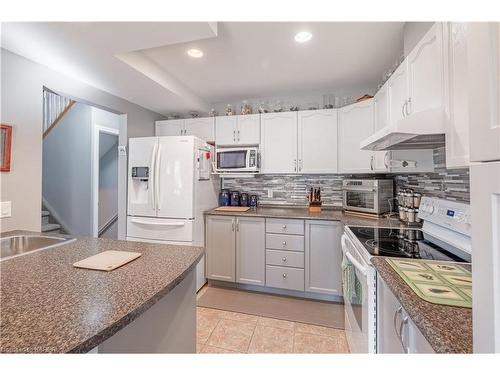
(422, 130)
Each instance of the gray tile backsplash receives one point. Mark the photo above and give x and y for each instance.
(291, 189)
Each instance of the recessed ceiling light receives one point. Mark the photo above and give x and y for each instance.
(196, 53)
(303, 36)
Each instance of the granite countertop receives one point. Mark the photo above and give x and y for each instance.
(47, 305)
(303, 213)
(448, 329)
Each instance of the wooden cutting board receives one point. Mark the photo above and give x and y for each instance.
(232, 209)
(107, 260)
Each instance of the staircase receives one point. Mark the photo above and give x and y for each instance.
(54, 109)
(49, 226)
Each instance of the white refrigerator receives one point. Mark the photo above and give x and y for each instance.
(169, 188)
(483, 50)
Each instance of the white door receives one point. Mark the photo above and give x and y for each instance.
(250, 250)
(175, 177)
(317, 142)
(203, 128)
(483, 47)
(457, 129)
(225, 130)
(485, 209)
(397, 94)
(169, 127)
(355, 125)
(425, 72)
(141, 193)
(279, 142)
(248, 129)
(381, 120)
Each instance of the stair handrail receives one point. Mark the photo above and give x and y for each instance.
(58, 118)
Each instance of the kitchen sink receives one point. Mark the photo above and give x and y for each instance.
(14, 246)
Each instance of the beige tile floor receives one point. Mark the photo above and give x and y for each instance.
(220, 331)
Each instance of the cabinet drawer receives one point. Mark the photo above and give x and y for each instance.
(285, 242)
(284, 258)
(285, 278)
(285, 226)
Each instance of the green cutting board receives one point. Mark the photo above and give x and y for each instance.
(436, 282)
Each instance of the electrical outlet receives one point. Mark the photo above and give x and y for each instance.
(6, 209)
(269, 193)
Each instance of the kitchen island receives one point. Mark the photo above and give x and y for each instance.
(145, 306)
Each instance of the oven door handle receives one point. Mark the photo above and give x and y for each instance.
(356, 264)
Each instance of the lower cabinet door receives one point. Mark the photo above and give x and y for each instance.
(250, 250)
(389, 318)
(221, 248)
(323, 256)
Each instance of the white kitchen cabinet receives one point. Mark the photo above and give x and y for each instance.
(169, 127)
(237, 130)
(355, 124)
(221, 248)
(483, 53)
(317, 141)
(425, 73)
(323, 257)
(278, 142)
(396, 332)
(457, 129)
(201, 127)
(397, 94)
(250, 250)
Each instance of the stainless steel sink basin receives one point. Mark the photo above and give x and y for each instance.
(22, 244)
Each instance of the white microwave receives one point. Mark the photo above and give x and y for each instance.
(237, 159)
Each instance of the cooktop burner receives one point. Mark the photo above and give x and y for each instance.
(401, 243)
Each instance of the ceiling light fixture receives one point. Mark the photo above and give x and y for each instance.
(196, 53)
(303, 36)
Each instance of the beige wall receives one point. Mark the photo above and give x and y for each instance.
(22, 82)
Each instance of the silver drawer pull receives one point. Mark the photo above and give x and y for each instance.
(284, 275)
(284, 259)
(284, 243)
(284, 226)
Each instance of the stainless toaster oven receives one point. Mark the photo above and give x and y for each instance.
(366, 195)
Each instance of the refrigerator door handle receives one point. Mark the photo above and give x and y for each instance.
(157, 178)
(162, 223)
(152, 178)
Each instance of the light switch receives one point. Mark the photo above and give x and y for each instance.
(6, 209)
(122, 150)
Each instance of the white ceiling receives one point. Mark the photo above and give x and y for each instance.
(147, 63)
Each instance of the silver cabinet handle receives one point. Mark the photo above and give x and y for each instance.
(386, 162)
(300, 165)
(284, 275)
(295, 165)
(403, 109)
(283, 259)
(237, 225)
(408, 103)
(234, 135)
(371, 163)
(238, 135)
(284, 226)
(396, 313)
(284, 243)
(232, 225)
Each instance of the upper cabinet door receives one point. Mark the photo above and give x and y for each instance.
(317, 145)
(397, 94)
(203, 128)
(425, 72)
(483, 51)
(279, 142)
(169, 127)
(457, 130)
(225, 130)
(355, 124)
(248, 129)
(381, 118)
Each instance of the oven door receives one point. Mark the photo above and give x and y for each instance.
(364, 200)
(359, 299)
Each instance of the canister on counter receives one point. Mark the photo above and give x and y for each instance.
(235, 198)
(253, 201)
(403, 213)
(416, 200)
(410, 215)
(409, 200)
(244, 199)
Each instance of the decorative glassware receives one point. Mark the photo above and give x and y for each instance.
(229, 110)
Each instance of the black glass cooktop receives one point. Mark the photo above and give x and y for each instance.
(401, 243)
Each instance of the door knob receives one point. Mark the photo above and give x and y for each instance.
(284, 243)
(284, 259)
(284, 275)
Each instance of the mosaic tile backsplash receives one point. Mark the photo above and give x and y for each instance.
(291, 189)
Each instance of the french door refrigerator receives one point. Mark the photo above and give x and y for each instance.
(169, 188)
(483, 50)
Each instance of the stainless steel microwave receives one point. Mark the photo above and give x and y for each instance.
(370, 196)
(238, 160)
